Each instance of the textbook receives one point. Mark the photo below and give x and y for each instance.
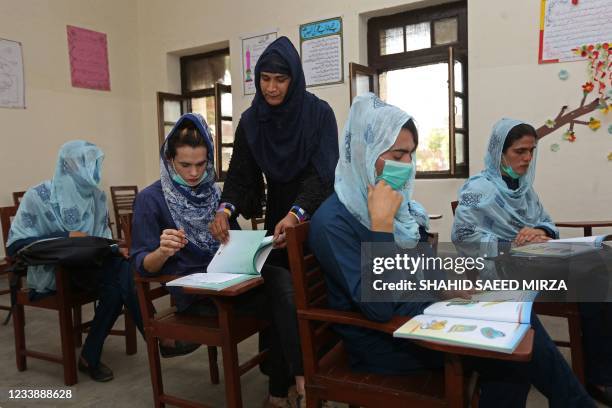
(239, 260)
(487, 321)
(562, 248)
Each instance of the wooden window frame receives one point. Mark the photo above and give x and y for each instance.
(434, 54)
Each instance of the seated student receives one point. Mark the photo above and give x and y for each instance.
(499, 206)
(379, 141)
(170, 223)
(72, 205)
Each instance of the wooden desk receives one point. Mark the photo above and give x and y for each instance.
(587, 225)
(230, 291)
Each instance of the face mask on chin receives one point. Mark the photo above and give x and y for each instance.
(180, 180)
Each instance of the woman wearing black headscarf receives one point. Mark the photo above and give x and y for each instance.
(290, 136)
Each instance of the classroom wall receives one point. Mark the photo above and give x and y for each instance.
(55, 111)
(147, 37)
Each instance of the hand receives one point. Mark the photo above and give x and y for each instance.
(530, 235)
(171, 241)
(125, 252)
(75, 234)
(280, 239)
(219, 228)
(383, 203)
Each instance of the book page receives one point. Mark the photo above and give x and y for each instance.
(237, 256)
(486, 335)
(514, 307)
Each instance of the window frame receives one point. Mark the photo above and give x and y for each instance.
(433, 54)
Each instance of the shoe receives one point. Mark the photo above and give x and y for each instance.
(180, 349)
(276, 402)
(601, 394)
(297, 400)
(101, 373)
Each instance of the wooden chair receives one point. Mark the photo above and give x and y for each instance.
(6, 214)
(17, 196)
(225, 330)
(65, 301)
(328, 375)
(569, 311)
(255, 222)
(122, 198)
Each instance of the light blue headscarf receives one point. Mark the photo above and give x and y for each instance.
(71, 201)
(489, 211)
(372, 128)
(192, 208)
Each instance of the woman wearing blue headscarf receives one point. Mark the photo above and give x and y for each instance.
(499, 207)
(372, 203)
(289, 136)
(71, 205)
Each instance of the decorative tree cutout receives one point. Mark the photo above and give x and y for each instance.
(599, 68)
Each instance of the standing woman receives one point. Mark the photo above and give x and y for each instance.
(290, 136)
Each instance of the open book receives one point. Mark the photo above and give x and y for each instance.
(562, 248)
(239, 260)
(487, 321)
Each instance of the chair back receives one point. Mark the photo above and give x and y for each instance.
(454, 205)
(17, 196)
(6, 217)
(122, 198)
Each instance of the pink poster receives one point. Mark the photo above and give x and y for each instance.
(88, 59)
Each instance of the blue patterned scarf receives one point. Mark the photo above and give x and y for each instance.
(192, 209)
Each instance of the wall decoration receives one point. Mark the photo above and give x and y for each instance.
(12, 84)
(252, 47)
(565, 25)
(88, 54)
(321, 52)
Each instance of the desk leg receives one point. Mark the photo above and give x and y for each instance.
(229, 350)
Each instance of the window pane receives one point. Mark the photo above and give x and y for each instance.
(418, 36)
(445, 31)
(205, 72)
(458, 112)
(430, 109)
(227, 131)
(459, 148)
(226, 155)
(458, 76)
(391, 41)
(172, 111)
(363, 84)
(226, 104)
(167, 130)
(205, 106)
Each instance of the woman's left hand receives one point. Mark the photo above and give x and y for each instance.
(280, 240)
(125, 252)
(530, 236)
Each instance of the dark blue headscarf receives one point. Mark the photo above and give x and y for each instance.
(284, 139)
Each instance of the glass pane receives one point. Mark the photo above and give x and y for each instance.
(363, 84)
(203, 73)
(172, 111)
(458, 112)
(458, 76)
(226, 104)
(459, 146)
(418, 36)
(445, 31)
(391, 41)
(226, 155)
(167, 130)
(205, 106)
(430, 109)
(227, 131)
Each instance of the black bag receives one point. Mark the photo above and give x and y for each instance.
(68, 252)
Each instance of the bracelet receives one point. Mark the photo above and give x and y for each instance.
(227, 208)
(299, 213)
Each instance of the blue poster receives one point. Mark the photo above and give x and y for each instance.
(320, 29)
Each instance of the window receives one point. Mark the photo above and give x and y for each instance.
(419, 59)
(206, 89)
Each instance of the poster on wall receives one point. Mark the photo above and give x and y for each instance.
(321, 52)
(88, 54)
(568, 24)
(252, 47)
(12, 84)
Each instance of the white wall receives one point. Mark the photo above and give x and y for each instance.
(55, 111)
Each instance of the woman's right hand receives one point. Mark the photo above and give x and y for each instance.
(219, 228)
(171, 241)
(383, 203)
